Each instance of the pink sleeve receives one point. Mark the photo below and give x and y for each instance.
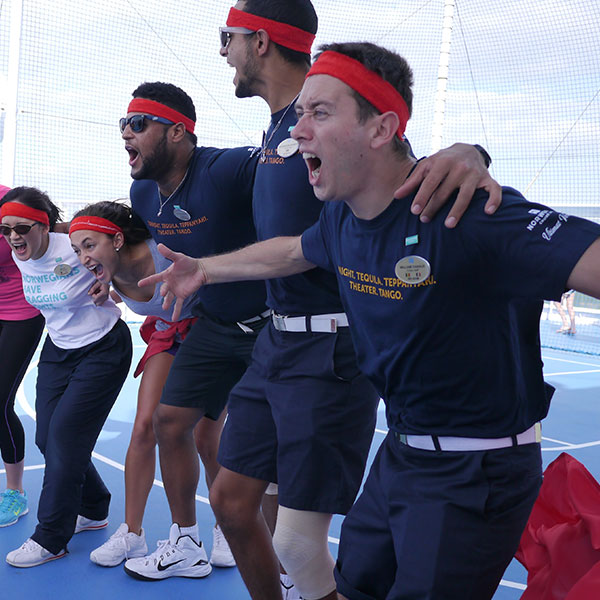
(13, 306)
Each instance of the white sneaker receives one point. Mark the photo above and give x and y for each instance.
(31, 554)
(85, 524)
(122, 544)
(288, 590)
(179, 556)
(221, 555)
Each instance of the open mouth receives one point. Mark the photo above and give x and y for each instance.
(133, 154)
(19, 248)
(96, 270)
(313, 163)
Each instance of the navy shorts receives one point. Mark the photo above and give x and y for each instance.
(302, 416)
(209, 362)
(435, 525)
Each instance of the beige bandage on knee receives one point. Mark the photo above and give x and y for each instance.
(300, 541)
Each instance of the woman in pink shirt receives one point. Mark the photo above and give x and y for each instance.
(21, 327)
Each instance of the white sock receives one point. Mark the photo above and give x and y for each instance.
(192, 532)
(286, 581)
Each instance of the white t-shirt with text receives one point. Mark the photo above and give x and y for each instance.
(57, 285)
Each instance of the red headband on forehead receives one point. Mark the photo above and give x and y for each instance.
(281, 33)
(151, 107)
(380, 93)
(94, 224)
(16, 209)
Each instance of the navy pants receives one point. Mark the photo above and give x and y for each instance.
(436, 525)
(74, 393)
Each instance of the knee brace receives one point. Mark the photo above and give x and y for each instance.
(300, 541)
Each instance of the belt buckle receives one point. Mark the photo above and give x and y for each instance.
(279, 322)
(402, 438)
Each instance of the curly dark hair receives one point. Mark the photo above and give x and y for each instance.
(170, 95)
(134, 230)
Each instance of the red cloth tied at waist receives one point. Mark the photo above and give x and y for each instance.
(161, 341)
(560, 547)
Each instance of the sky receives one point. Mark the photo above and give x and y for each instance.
(523, 82)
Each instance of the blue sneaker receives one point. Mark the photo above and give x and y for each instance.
(13, 505)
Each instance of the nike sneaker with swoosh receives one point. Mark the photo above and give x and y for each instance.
(179, 556)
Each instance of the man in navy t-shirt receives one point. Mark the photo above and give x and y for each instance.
(196, 200)
(446, 326)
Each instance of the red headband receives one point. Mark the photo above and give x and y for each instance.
(281, 33)
(16, 209)
(94, 224)
(380, 93)
(157, 109)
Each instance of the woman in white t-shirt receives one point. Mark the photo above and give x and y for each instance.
(83, 365)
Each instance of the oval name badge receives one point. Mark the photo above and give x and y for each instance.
(287, 148)
(181, 213)
(62, 270)
(412, 269)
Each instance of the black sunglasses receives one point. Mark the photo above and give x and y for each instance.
(225, 34)
(136, 122)
(21, 229)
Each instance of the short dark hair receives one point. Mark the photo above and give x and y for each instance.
(134, 230)
(390, 66)
(299, 13)
(34, 198)
(170, 95)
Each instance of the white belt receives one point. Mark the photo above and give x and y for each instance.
(532, 435)
(319, 323)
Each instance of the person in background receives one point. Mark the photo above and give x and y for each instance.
(83, 365)
(21, 327)
(568, 325)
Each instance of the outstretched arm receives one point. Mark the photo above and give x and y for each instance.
(277, 257)
(461, 167)
(585, 276)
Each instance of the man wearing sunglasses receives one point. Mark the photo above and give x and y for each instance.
(196, 200)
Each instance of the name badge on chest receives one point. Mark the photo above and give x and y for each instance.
(412, 269)
(62, 269)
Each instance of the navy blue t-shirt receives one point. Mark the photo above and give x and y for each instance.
(217, 194)
(284, 204)
(459, 353)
